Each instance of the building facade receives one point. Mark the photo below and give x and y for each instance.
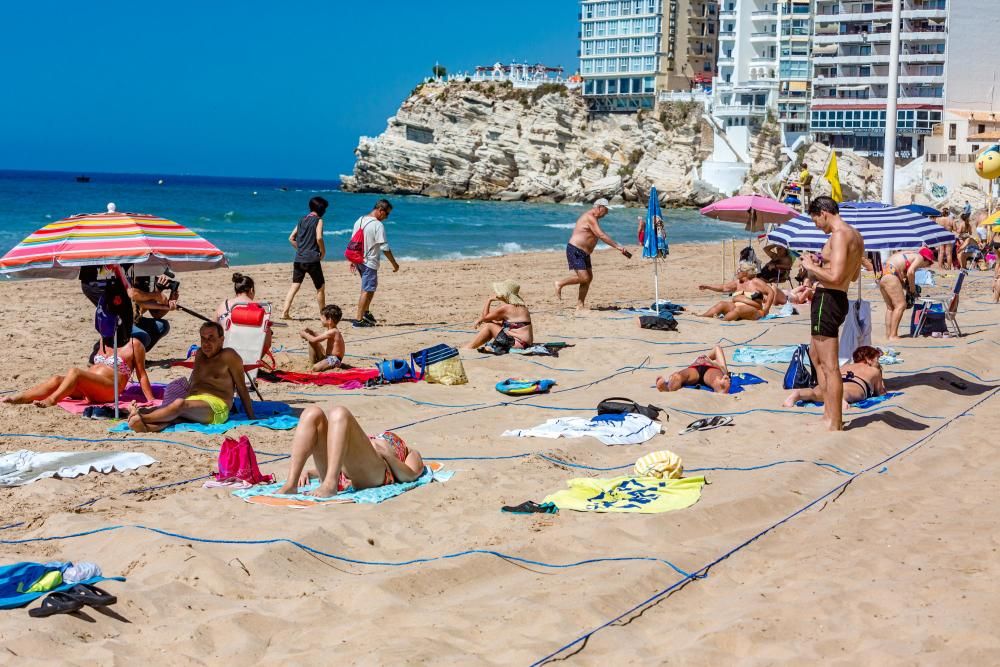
(745, 89)
(850, 56)
(632, 49)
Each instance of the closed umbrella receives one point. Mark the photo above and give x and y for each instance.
(881, 226)
(653, 246)
(150, 243)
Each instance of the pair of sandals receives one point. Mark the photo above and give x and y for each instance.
(707, 424)
(72, 600)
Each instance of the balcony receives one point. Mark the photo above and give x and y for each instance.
(878, 80)
(763, 15)
(763, 36)
(910, 14)
(881, 36)
(726, 60)
(824, 102)
(727, 13)
(763, 60)
(734, 110)
(727, 34)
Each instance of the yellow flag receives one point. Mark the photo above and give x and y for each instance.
(833, 176)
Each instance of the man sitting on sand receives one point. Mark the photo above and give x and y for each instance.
(217, 374)
(586, 234)
(751, 299)
(709, 370)
(862, 380)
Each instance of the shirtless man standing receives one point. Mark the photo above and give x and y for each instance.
(581, 245)
(836, 268)
(217, 373)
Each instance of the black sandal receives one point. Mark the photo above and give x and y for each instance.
(56, 603)
(92, 596)
(531, 507)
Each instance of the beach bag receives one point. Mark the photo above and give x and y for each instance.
(113, 315)
(237, 461)
(856, 331)
(621, 406)
(439, 364)
(663, 322)
(394, 370)
(355, 252)
(798, 376)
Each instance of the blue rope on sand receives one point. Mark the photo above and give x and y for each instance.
(380, 395)
(703, 571)
(67, 438)
(355, 561)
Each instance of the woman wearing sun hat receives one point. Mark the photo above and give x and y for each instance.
(899, 285)
(510, 316)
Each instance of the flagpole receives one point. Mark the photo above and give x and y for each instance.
(889, 152)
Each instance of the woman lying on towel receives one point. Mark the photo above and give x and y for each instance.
(709, 370)
(345, 456)
(511, 316)
(97, 384)
(862, 380)
(751, 297)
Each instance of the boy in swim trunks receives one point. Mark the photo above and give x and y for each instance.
(326, 349)
(217, 374)
(835, 269)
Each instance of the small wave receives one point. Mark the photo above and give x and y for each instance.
(204, 219)
(339, 232)
(563, 225)
(511, 247)
(229, 214)
(231, 254)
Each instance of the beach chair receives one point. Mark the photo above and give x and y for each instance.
(950, 310)
(245, 327)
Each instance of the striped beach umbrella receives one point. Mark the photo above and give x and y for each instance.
(59, 249)
(882, 227)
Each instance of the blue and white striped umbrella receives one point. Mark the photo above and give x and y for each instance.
(882, 227)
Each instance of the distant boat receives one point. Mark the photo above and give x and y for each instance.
(160, 182)
(83, 179)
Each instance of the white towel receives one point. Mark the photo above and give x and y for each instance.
(25, 466)
(631, 430)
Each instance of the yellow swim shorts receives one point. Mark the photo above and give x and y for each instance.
(220, 411)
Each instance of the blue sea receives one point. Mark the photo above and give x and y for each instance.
(250, 219)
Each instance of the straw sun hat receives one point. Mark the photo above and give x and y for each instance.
(508, 291)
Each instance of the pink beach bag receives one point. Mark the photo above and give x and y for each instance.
(237, 462)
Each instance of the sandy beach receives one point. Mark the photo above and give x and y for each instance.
(897, 565)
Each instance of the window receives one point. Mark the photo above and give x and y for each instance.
(952, 131)
(980, 128)
(951, 150)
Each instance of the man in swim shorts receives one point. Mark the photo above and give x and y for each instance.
(835, 268)
(217, 374)
(586, 234)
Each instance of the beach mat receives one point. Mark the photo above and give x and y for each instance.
(328, 378)
(264, 494)
(133, 392)
(738, 382)
(274, 415)
(867, 403)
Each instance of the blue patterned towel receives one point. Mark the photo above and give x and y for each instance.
(274, 415)
(373, 496)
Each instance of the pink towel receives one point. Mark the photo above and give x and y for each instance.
(132, 392)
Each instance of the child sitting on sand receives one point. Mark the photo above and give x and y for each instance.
(345, 456)
(326, 349)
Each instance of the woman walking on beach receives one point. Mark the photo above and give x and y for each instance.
(307, 239)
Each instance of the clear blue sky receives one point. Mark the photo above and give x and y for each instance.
(240, 88)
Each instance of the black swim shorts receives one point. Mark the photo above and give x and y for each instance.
(577, 259)
(829, 310)
(313, 269)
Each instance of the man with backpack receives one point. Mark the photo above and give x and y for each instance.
(364, 251)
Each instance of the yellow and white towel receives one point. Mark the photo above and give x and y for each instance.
(643, 495)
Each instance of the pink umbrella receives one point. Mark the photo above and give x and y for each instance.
(753, 210)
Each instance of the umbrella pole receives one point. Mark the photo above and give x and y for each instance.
(656, 284)
(118, 322)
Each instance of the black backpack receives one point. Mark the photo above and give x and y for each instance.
(801, 373)
(663, 322)
(620, 406)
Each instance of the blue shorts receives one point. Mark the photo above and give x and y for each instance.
(369, 278)
(577, 259)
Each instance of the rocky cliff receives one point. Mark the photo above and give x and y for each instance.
(491, 141)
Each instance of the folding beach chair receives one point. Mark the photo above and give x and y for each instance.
(246, 326)
(949, 311)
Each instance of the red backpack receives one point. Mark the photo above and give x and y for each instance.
(355, 253)
(237, 461)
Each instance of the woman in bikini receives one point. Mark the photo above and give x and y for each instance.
(97, 384)
(862, 380)
(511, 316)
(709, 370)
(751, 297)
(898, 281)
(345, 456)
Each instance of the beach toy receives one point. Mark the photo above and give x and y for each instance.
(988, 162)
(513, 387)
(395, 370)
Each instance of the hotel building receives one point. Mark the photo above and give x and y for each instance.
(850, 57)
(632, 49)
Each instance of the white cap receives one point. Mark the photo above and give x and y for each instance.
(601, 202)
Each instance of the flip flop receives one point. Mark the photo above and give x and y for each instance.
(531, 507)
(56, 603)
(707, 424)
(92, 596)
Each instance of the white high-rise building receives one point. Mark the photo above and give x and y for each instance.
(851, 41)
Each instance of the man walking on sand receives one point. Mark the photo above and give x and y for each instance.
(835, 268)
(307, 239)
(586, 234)
(375, 245)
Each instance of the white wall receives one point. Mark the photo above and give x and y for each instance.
(972, 73)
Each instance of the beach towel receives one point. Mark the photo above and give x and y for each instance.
(356, 376)
(787, 310)
(133, 392)
(624, 429)
(856, 330)
(655, 308)
(738, 382)
(867, 403)
(20, 583)
(642, 495)
(25, 466)
(270, 414)
(267, 494)
(764, 355)
(924, 278)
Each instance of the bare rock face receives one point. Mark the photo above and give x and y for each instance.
(491, 141)
(860, 180)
